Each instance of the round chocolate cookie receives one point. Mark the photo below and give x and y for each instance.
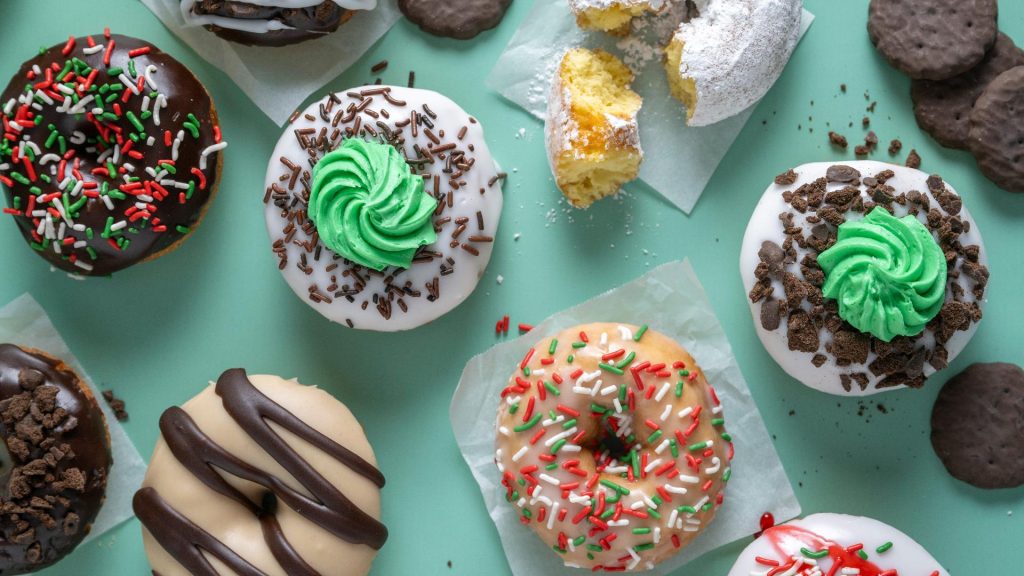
(978, 425)
(270, 23)
(996, 136)
(56, 463)
(933, 39)
(943, 107)
(461, 19)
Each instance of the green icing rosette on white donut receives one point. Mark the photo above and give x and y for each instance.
(863, 277)
(382, 204)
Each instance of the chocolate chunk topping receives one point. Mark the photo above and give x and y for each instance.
(841, 173)
(802, 333)
(786, 178)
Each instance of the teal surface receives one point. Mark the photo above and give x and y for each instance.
(157, 333)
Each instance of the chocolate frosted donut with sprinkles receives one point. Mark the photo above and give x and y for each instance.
(612, 446)
(382, 205)
(111, 153)
(261, 476)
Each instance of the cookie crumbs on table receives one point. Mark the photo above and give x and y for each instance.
(116, 405)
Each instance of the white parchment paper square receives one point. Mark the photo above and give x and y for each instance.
(279, 79)
(24, 322)
(671, 299)
(679, 160)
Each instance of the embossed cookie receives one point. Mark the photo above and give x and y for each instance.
(933, 39)
(978, 425)
(996, 136)
(943, 107)
(461, 19)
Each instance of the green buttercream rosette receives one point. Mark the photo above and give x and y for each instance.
(887, 274)
(369, 207)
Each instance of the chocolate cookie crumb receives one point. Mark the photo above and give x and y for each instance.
(802, 333)
(895, 146)
(786, 178)
(117, 405)
(913, 159)
(837, 139)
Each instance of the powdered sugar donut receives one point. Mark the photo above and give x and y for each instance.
(612, 446)
(835, 544)
(724, 60)
(808, 332)
(408, 214)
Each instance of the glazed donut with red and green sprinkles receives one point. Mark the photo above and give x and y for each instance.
(111, 152)
(612, 446)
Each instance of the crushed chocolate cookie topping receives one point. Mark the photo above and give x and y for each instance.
(895, 146)
(117, 405)
(58, 456)
(786, 178)
(913, 159)
(813, 324)
(837, 139)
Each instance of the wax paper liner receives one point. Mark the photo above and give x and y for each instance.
(279, 79)
(24, 322)
(679, 159)
(671, 299)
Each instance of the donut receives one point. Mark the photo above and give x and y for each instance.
(271, 22)
(727, 58)
(111, 153)
(612, 446)
(348, 199)
(261, 475)
(591, 131)
(56, 461)
(834, 544)
(612, 16)
(863, 277)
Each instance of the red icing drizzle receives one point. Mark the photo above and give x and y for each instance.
(788, 540)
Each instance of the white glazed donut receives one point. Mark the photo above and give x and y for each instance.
(854, 378)
(444, 145)
(258, 25)
(723, 61)
(835, 544)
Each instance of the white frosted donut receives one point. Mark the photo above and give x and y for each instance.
(835, 544)
(258, 25)
(830, 376)
(446, 147)
(723, 61)
(612, 446)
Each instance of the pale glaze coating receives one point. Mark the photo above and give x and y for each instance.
(593, 509)
(235, 525)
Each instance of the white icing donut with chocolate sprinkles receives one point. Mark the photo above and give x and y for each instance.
(442, 144)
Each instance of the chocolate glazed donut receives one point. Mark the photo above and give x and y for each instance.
(111, 153)
(300, 24)
(53, 478)
(254, 412)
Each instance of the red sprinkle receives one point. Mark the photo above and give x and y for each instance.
(138, 52)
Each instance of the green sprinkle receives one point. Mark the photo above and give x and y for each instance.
(657, 500)
(863, 555)
(654, 513)
(679, 389)
(674, 447)
(641, 530)
(642, 547)
(635, 458)
(884, 547)
(192, 129)
(706, 507)
(607, 513)
(684, 373)
(513, 408)
(169, 168)
(579, 540)
(598, 409)
(526, 371)
(526, 426)
(727, 474)
(640, 333)
(115, 72)
(558, 446)
(551, 388)
(610, 368)
(17, 177)
(527, 514)
(570, 358)
(687, 510)
(557, 549)
(551, 466)
(569, 424)
(620, 489)
(553, 346)
(625, 361)
(698, 446)
(131, 69)
(726, 436)
(92, 253)
(654, 437)
(622, 393)
(191, 190)
(815, 554)
(578, 344)
(106, 227)
(594, 547)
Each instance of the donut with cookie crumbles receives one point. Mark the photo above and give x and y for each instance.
(111, 153)
(382, 204)
(612, 447)
(58, 459)
(271, 22)
(863, 277)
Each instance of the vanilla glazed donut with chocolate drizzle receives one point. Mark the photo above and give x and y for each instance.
(382, 204)
(271, 22)
(611, 444)
(261, 476)
(56, 461)
(111, 153)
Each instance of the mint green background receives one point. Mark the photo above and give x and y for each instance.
(159, 332)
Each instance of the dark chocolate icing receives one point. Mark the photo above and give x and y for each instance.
(252, 410)
(53, 479)
(302, 23)
(170, 219)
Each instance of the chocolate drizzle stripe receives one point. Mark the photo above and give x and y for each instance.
(252, 410)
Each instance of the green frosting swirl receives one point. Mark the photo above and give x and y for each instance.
(888, 275)
(369, 207)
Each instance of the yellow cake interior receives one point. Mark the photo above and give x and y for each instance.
(682, 88)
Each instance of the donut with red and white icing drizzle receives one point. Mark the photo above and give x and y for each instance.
(442, 144)
(611, 445)
(834, 545)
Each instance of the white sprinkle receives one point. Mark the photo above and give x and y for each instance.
(625, 333)
(520, 454)
(652, 465)
(558, 437)
(688, 479)
(551, 516)
(504, 431)
(661, 447)
(150, 70)
(588, 377)
(615, 523)
(128, 83)
(685, 412)
(93, 49)
(675, 489)
(672, 518)
(83, 265)
(716, 464)
(618, 405)
(119, 225)
(666, 412)
(210, 150)
(661, 393)
(550, 479)
(610, 389)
